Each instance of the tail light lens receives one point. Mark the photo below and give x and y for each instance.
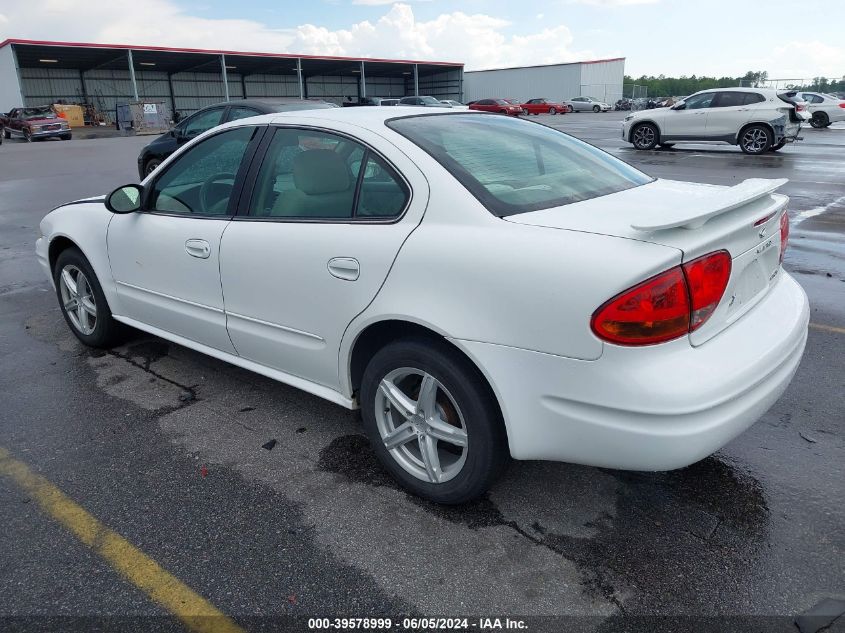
(784, 234)
(707, 278)
(667, 306)
(842, 105)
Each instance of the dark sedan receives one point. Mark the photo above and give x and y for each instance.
(156, 152)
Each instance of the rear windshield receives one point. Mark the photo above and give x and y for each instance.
(513, 166)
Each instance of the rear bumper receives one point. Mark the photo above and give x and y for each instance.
(651, 408)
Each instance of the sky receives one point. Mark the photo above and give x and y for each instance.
(788, 39)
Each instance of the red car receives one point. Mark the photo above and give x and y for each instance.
(496, 105)
(544, 106)
(35, 123)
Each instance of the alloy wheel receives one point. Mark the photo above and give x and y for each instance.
(78, 299)
(644, 136)
(755, 140)
(421, 425)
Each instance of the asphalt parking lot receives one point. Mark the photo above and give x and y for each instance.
(164, 447)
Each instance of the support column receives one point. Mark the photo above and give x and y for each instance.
(363, 81)
(132, 74)
(416, 81)
(299, 77)
(243, 85)
(225, 77)
(82, 84)
(173, 113)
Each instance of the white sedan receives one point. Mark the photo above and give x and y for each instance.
(482, 287)
(824, 108)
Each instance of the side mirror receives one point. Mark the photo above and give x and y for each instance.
(679, 106)
(125, 199)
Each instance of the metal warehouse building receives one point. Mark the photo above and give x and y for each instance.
(34, 73)
(601, 79)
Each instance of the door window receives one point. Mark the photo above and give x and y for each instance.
(696, 102)
(315, 175)
(240, 112)
(201, 181)
(752, 98)
(202, 122)
(728, 100)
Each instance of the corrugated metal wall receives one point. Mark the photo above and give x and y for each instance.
(603, 80)
(42, 86)
(445, 85)
(559, 82)
(10, 91)
(272, 86)
(385, 87)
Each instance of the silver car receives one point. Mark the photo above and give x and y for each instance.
(587, 104)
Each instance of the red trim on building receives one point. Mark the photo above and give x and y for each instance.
(168, 49)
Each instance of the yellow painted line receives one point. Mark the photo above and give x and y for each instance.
(828, 328)
(195, 612)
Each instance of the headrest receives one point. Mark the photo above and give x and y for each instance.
(319, 171)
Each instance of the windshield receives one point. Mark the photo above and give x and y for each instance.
(513, 166)
(28, 114)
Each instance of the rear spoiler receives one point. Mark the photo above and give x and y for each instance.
(717, 202)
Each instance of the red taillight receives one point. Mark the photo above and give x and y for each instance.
(842, 105)
(707, 278)
(667, 306)
(784, 234)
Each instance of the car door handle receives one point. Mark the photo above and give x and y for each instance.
(198, 248)
(346, 268)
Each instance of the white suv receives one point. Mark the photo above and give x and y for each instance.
(824, 108)
(757, 119)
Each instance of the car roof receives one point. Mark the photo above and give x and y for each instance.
(769, 91)
(367, 117)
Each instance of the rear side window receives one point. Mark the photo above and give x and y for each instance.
(753, 97)
(513, 166)
(728, 100)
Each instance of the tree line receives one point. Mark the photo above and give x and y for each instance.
(682, 86)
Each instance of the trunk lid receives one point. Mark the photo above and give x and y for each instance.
(695, 219)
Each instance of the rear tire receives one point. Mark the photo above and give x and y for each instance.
(82, 301)
(151, 165)
(460, 407)
(645, 136)
(820, 120)
(755, 139)
(552, 110)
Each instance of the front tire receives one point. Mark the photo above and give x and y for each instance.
(27, 136)
(151, 166)
(433, 421)
(525, 112)
(7, 134)
(82, 301)
(755, 139)
(645, 136)
(66, 137)
(596, 109)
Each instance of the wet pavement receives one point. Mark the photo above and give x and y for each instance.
(167, 448)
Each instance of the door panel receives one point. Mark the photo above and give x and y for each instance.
(161, 283)
(727, 114)
(293, 286)
(691, 122)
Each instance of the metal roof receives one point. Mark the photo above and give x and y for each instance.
(589, 61)
(87, 56)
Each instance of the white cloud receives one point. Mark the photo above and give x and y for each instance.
(479, 40)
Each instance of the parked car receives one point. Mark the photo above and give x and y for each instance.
(454, 104)
(33, 124)
(587, 104)
(496, 105)
(543, 106)
(757, 119)
(824, 109)
(211, 116)
(371, 101)
(637, 323)
(426, 102)
(622, 104)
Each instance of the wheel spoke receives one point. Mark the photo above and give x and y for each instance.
(445, 432)
(428, 395)
(428, 451)
(401, 403)
(82, 315)
(71, 304)
(70, 284)
(89, 305)
(402, 434)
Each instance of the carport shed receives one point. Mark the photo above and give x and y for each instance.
(36, 73)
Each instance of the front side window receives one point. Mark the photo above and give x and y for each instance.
(200, 181)
(202, 122)
(513, 166)
(307, 174)
(697, 102)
